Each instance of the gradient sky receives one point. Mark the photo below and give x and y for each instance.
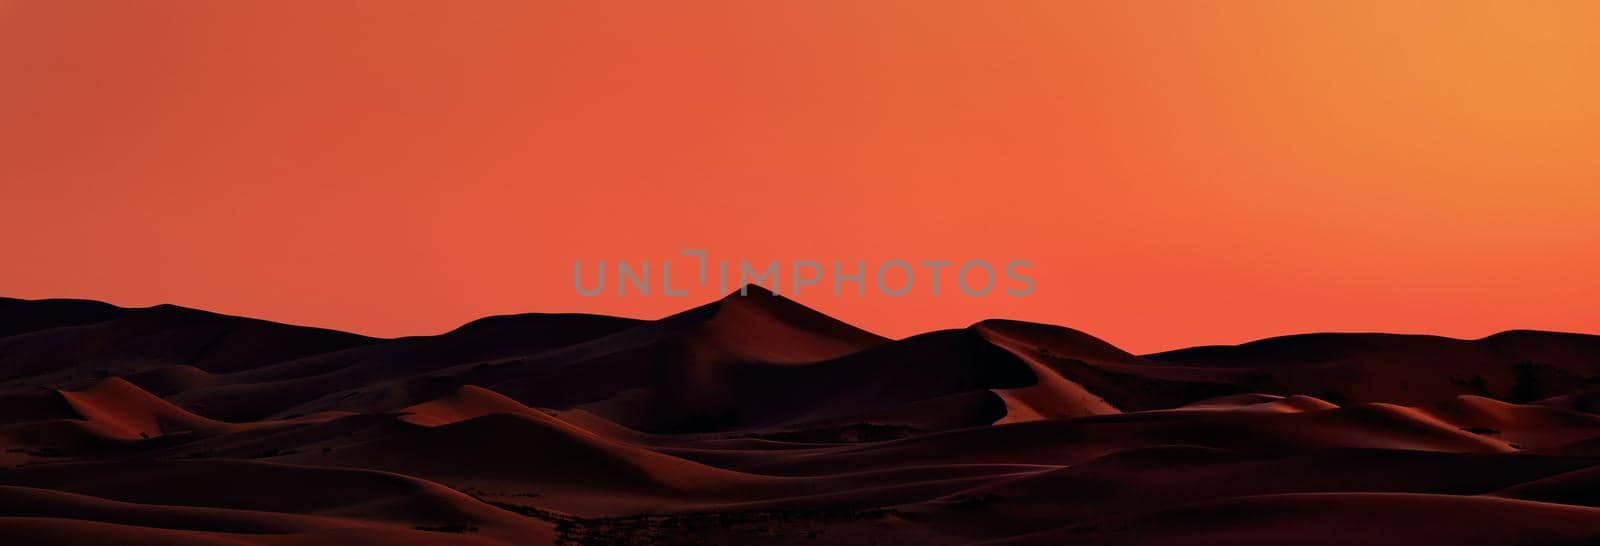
(1179, 173)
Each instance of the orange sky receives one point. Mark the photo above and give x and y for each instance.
(1178, 172)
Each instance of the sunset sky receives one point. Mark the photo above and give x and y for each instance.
(1178, 173)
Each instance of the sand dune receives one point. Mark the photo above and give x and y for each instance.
(286, 505)
(467, 402)
(97, 340)
(754, 419)
(1260, 402)
(1517, 366)
(123, 410)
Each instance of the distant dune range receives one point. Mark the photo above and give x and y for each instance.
(756, 420)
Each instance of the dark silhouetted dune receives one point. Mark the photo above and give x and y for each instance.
(1517, 366)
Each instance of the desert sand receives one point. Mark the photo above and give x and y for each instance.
(756, 420)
